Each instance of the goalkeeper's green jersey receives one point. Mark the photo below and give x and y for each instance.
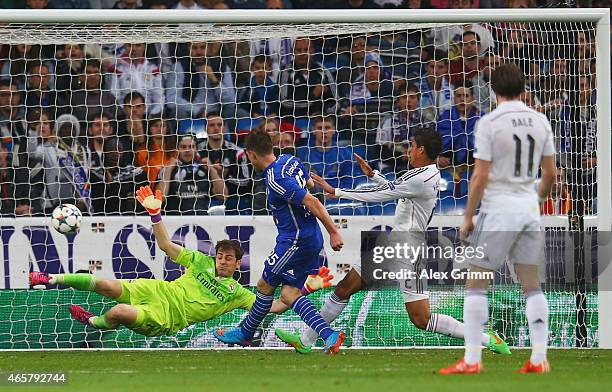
(200, 295)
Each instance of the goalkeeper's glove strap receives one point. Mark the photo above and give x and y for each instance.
(156, 218)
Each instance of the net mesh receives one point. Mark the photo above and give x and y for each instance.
(170, 105)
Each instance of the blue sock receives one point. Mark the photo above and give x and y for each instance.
(308, 313)
(261, 307)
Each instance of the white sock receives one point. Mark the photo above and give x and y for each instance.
(475, 316)
(330, 311)
(537, 318)
(53, 279)
(450, 326)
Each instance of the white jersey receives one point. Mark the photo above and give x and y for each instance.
(416, 192)
(514, 138)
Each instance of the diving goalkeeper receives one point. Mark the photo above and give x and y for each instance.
(153, 307)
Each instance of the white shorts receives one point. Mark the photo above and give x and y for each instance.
(517, 238)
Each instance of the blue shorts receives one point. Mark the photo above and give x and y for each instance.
(291, 264)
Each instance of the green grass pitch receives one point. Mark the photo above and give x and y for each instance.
(268, 370)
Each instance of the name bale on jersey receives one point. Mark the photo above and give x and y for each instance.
(522, 122)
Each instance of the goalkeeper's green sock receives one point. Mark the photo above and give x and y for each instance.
(83, 282)
(100, 322)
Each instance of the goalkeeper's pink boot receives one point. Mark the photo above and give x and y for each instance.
(38, 278)
(80, 314)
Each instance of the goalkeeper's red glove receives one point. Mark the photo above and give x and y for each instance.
(151, 203)
(317, 282)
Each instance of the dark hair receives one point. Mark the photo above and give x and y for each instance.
(430, 139)
(230, 245)
(93, 63)
(508, 80)
(129, 97)
(212, 114)
(464, 83)
(260, 58)
(35, 64)
(409, 89)
(437, 55)
(6, 82)
(468, 33)
(259, 142)
(35, 113)
(97, 114)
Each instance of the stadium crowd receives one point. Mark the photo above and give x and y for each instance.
(89, 124)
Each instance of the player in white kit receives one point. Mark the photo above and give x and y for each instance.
(416, 192)
(512, 143)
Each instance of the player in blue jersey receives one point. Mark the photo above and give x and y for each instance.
(298, 243)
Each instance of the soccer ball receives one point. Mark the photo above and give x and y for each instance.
(66, 218)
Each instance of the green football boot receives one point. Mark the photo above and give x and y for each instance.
(292, 339)
(497, 344)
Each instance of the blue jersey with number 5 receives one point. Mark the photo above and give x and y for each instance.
(286, 181)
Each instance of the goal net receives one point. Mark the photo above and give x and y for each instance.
(90, 112)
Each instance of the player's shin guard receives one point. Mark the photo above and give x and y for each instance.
(83, 282)
(475, 315)
(330, 311)
(537, 318)
(260, 309)
(308, 313)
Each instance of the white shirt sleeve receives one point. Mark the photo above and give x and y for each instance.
(549, 144)
(404, 187)
(378, 178)
(483, 140)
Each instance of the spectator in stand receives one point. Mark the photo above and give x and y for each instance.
(456, 126)
(187, 5)
(99, 130)
(435, 88)
(551, 90)
(278, 50)
(559, 202)
(90, 97)
(14, 200)
(114, 186)
(260, 97)
(231, 163)
(12, 129)
(37, 4)
(347, 74)
(307, 88)
(369, 89)
(132, 130)
(246, 4)
(66, 165)
(577, 130)
(470, 66)
(188, 183)
(16, 68)
(70, 60)
(449, 38)
(69, 4)
(132, 71)
(159, 150)
(201, 83)
(38, 92)
(282, 142)
(395, 131)
(325, 158)
(126, 4)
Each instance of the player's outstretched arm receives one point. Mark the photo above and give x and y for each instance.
(549, 173)
(376, 194)
(152, 203)
(314, 282)
(318, 210)
(475, 192)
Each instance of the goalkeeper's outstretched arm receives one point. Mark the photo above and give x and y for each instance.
(152, 203)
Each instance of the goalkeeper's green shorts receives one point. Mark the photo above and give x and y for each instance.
(153, 305)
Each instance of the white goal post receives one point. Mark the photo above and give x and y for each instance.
(216, 19)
